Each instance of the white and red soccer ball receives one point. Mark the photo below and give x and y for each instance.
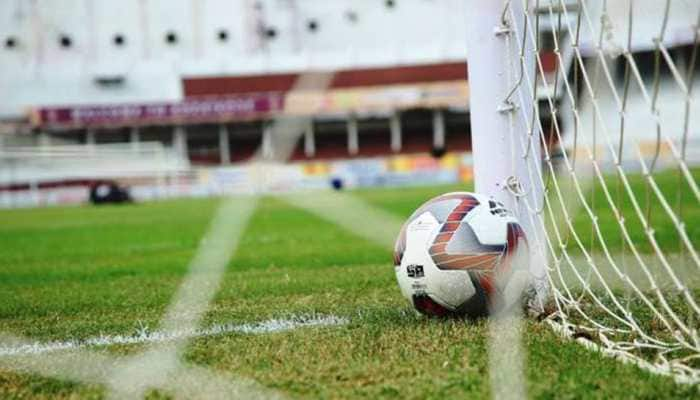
(458, 254)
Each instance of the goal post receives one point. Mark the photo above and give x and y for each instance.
(502, 127)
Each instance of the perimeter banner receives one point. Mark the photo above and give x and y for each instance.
(219, 109)
(242, 107)
(379, 98)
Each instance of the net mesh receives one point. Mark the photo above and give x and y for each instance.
(610, 101)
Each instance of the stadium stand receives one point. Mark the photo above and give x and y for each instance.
(206, 79)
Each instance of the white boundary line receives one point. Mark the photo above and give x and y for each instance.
(153, 368)
(145, 336)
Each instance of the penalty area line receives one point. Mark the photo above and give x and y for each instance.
(274, 325)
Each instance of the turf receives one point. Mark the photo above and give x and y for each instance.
(77, 272)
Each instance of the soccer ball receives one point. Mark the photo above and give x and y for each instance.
(461, 254)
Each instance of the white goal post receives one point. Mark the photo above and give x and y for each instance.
(498, 132)
(585, 122)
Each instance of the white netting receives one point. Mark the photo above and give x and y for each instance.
(614, 111)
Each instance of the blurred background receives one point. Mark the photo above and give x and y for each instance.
(170, 97)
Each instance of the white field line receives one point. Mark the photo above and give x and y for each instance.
(78, 365)
(160, 365)
(87, 367)
(153, 366)
(506, 357)
(145, 336)
(351, 213)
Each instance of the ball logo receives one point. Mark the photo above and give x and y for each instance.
(415, 271)
(497, 208)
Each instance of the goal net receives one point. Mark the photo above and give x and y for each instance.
(604, 93)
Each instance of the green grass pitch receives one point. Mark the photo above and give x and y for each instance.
(78, 272)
